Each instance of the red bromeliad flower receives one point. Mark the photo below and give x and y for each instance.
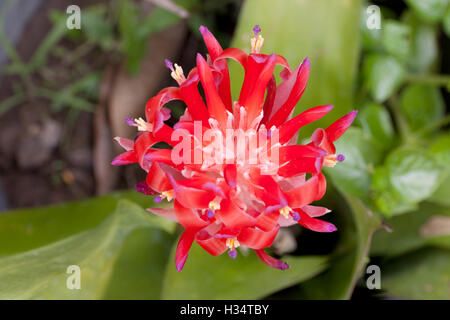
(232, 200)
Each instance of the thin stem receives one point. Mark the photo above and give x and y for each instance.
(435, 125)
(399, 118)
(433, 79)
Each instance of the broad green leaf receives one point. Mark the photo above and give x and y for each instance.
(414, 174)
(397, 39)
(408, 232)
(349, 258)
(424, 274)
(428, 10)
(246, 277)
(361, 155)
(383, 76)
(422, 105)
(26, 229)
(376, 123)
(384, 197)
(441, 151)
(424, 44)
(139, 269)
(333, 49)
(42, 273)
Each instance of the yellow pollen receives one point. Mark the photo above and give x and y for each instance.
(143, 125)
(215, 204)
(330, 160)
(232, 243)
(178, 74)
(256, 43)
(168, 195)
(285, 211)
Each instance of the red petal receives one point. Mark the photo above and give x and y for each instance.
(192, 198)
(125, 158)
(232, 53)
(320, 139)
(304, 194)
(267, 221)
(232, 216)
(153, 108)
(141, 146)
(271, 261)
(187, 217)
(295, 92)
(257, 239)
(213, 246)
(337, 129)
(315, 211)
(216, 107)
(292, 152)
(301, 165)
(157, 179)
(270, 98)
(315, 224)
(183, 247)
(230, 174)
(288, 129)
(127, 144)
(192, 98)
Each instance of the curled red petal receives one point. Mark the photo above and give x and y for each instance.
(187, 217)
(183, 247)
(315, 224)
(157, 179)
(232, 216)
(213, 246)
(271, 261)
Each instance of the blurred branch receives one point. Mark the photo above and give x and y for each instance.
(433, 79)
(170, 6)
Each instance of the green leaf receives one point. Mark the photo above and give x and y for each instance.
(246, 277)
(441, 151)
(333, 48)
(422, 105)
(349, 258)
(376, 123)
(446, 22)
(424, 45)
(383, 76)
(406, 234)
(424, 274)
(97, 27)
(42, 273)
(361, 155)
(428, 10)
(397, 39)
(414, 174)
(27, 229)
(383, 196)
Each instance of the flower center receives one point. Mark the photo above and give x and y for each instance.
(177, 72)
(232, 244)
(257, 41)
(143, 125)
(287, 211)
(331, 159)
(169, 195)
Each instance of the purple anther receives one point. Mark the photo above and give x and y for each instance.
(158, 199)
(256, 30)
(130, 122)
(340, 158)
(210, 213)
(168, 64)
(232, 253)
(295, 216)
